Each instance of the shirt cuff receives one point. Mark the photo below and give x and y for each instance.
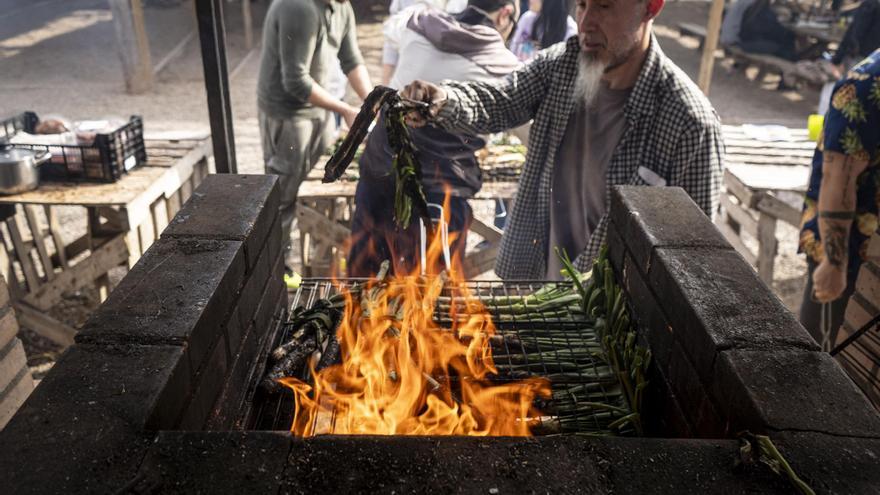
(450, 110)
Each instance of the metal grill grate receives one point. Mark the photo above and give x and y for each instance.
(560, 346)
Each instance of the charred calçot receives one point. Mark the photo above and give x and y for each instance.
(409, 197)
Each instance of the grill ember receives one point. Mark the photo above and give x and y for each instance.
(402, 372)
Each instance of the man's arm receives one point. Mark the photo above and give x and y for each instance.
(837, 210)
(698, 157)
(350, 58)
(486, 107)
(359, 79)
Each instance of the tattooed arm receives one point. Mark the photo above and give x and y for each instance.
(837, 211)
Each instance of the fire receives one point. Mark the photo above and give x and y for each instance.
(403, 374)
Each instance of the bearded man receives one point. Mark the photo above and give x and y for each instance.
(609, 109)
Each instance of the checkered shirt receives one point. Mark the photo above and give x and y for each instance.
(671, 129)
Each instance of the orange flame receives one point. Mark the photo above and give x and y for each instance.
(403, 374)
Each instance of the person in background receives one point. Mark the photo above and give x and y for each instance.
(300, 40)
(732, 22)
(468, 46)
(609, 108)
(841, 203)
(389, 47)
(861, 37)
(546, 23)
(762, 32)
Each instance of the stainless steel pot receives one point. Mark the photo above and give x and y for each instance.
(19, 169)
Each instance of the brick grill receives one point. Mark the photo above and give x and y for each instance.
(153, 396)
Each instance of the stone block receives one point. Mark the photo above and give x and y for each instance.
(180, 293)
(715, 301)
(832, 464)
(767, 390)
(616, 247)
(86, 427)
(215, 462)
(653, 217)
(254, 288)
(209, 382)
(230, 207)
(234, 332)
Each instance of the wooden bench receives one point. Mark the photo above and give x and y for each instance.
(769, 64)
(693, 30)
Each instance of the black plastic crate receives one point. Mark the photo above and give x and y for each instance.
(106, 160)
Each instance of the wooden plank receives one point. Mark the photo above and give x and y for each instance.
(109, 255)
(480, 262)
(734, 239)
(779, 209)
(146, 234)
(133, 247)
(320, 227)
(770, 177)
(740, 215)
(22, 254)
(160, 215)
(736, 187)
(767, 244)
(489, 232)
(55, 230)
(311, 189)
(713, 29)
(44, 324)
(133, 46)
(39, 241)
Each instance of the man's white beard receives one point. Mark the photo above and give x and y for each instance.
(586, 86)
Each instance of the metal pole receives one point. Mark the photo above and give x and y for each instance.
(212, 35)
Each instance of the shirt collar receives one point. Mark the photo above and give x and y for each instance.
(328, 4)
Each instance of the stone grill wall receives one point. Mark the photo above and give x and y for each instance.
(172, 348)
(15, 376)
(727, 354)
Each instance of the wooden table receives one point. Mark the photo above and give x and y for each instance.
(123, 220)
(757, 173)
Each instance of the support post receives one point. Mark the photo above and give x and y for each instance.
(247, 19)
(134, 47)
(713, 30)
(212, 35)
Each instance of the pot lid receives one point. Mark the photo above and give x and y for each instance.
(14, 156)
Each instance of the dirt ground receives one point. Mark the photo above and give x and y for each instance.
(58, 57)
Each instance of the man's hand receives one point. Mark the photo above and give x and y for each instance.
(349, 114)
(829, 282)
(425, 92)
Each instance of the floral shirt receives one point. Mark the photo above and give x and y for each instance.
(852, 127)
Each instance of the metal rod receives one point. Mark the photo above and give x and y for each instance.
(858, 333)
(212, 35)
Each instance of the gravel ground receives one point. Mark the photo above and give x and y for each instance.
(58, 57)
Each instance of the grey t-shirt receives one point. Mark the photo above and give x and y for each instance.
(300, 40)
(577, 197)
